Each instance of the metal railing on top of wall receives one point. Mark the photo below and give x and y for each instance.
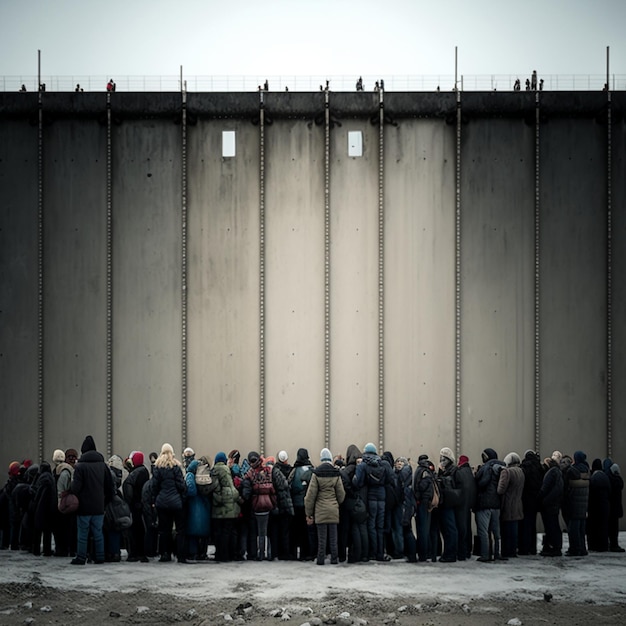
(485, 82)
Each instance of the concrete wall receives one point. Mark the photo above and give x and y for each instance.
(206, 325)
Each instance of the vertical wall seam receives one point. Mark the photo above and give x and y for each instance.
(381, 272)
(183, 267)
(537, 408)
(261, 274)
(609, 281)
(109, 283)
(327, 253)
(40, 280)
(457, 279)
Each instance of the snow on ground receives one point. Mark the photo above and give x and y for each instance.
(597, 578)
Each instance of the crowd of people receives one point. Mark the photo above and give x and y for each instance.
(356, 508)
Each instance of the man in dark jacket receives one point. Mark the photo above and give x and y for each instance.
(132, 488)
(550, 497)
(423, 489)
(374, 473)
(466, 482)
(93, 485)
(488, 504)
(616, 510)
(533, 478)
(576, 501)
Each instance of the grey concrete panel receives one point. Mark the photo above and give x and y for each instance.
(19, 335)
(354, 288)
(223, 104)
(223, 288)
(618, 430)
(146, 286)
(419, 287)
(294, 269)
(573, 286)
(74, 284)
(497, 287)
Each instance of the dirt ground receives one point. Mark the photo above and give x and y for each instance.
(34, 603)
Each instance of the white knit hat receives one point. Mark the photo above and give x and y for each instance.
(283, 456)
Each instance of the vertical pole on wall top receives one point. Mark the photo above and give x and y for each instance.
(381, 269)
(457, 273)
(40, 265)
(537, 279)
(109, 283)
(326, 270)
(609, 270)
(261, 273)
(183, 260)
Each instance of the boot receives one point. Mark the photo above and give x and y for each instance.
(496, 551)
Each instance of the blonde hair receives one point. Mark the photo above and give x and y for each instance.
(166, 458)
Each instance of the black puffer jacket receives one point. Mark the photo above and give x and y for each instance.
(533, 479)
(373, 472)
(45, 498)
(133, 487)
(576, 498)
(423, 483)
(466, 482)
(168, 488)
(487, 478)
(92, 483)
(550, 495)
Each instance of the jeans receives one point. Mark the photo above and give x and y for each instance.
(449, 532)
(375, 528)
(487, 521)
(576, 532)
(324, 532)
(85, 524)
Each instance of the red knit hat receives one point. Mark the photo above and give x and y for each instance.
(137, 458)
(463, 460)
(14, 468)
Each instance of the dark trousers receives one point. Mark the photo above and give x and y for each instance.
(448, 530)
(327, 532)
(376, 528)
(422, 520)
(167, 520)
(554, 536)
(528, 533)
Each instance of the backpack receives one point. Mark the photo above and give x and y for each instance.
(262, 483)
(206, 480)
(117, 514)
(434, 503)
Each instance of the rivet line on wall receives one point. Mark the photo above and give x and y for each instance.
(537, 278)
(609, 282)
(40, 282)
(261, 275)
(109, 283)
(326, 271)
(183, 266)
(457, 279)
(381, 274)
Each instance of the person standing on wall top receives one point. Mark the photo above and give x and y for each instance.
(93, 485)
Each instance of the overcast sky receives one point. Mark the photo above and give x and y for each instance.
(311, 37)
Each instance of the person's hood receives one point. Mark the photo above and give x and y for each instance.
(352, 454)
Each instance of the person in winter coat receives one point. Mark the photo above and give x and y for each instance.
(169, 491)
(63, 522)
(533, 478)
(598, 509)
(259, 490)
(353, 512)
(488, 504)
(281, 516)
(150, 520)
(93, 486)
(7, 506)
(394, 540)
(451, 500)
(44, 504)
(616, 510)
(466, 482)
(510, 488)
(423, 490)
(132, 489)
(373, 473)
(575, 504)
(225, 511)
(198, 514)
(21, 498)
(406, 508)
(321, 504)
(550, 497)
(299, 479)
